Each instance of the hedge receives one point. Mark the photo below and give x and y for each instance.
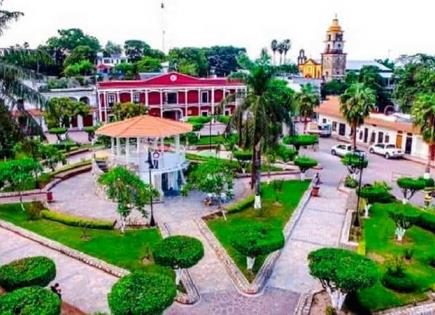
(426, 221)
(30, 301)
(178, 252)
(57, 131)
(411, 183)
(241, 204)
(142, 293)
(31, 271)
(404, 283)
(256, 239)
(305, 163)
(285, 153)
(77, 221)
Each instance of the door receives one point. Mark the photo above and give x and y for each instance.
(342, 129)
(408, 144)
(380, 137)
(399, 139)
(366, 134)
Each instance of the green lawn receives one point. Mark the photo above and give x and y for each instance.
(126, 251)
(382, 246)
(273, 212)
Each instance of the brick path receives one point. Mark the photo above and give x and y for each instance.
(83, 286)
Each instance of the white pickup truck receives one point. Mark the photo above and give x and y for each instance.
(343, 149)
(387, 150)
(322, 130)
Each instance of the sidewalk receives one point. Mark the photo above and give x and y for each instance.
(83, 286)
(319, 226)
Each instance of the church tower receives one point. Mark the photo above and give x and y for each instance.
(333, 58)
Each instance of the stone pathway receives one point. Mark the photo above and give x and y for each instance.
(83, 286)
(319, 226)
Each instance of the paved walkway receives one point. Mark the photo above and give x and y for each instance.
(319, 226)
(83, 286)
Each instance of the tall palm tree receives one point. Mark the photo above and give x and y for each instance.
(280, 49)
(356, 103)
(274, 47)
(265, 107)
(306, 100)
(423, 111)
(287, 45)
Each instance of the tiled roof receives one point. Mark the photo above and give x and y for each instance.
(144, 126)
(331, 107)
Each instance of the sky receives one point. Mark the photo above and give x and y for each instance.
(373, 28)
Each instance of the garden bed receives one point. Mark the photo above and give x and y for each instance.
(278, 207)
(127, 250)
(381, 246)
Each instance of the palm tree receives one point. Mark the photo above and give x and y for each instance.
(260, 116)
(423, 111)
(280, 49)
(287, 45)
(355, 104)
(274, 47)
(306, 100)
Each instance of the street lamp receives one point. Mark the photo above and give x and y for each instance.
(151, 167)
(361, 167)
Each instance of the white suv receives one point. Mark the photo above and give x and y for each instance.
(343, 149)
(387, 150)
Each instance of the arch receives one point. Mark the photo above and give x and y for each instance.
(84, 99)
(389, 109)
(173, 113)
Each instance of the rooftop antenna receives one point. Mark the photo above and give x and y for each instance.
(163, 9)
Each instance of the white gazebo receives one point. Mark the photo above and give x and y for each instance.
(150, 146)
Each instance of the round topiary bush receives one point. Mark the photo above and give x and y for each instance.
(30, 301)
(178, 252)
(142, 293)
(305, 163)
(26, 272)
(256, 239)
(400, 283)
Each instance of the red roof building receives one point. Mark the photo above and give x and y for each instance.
(171, 95)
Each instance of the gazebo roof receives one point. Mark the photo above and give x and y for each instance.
(144, 126)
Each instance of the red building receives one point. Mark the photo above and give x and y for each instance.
(171, 95)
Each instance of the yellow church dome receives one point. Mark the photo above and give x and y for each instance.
(335, 26)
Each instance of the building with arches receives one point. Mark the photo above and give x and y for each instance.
(170, 95)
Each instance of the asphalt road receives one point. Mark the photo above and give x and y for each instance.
(379, 168)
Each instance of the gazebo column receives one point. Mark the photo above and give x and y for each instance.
(138, 144)
(127, 150)
(177, 143)
(112, 146)
(118, 147)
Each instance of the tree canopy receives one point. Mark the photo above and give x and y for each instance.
(123, 111)
(60, 111)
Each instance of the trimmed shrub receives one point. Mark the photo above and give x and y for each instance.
(57, 131)
(33, 210)
(30, 301)
(242, 155)
(38, 270)
(410, 186)
(350, 182)
(224, 119)
(400, 283)
(76, 221)
(258, 239)
(178, 252)
(196, 127)
(376, 193)
(305, 163)
(241, 204)
(426, 221)
(142, 293)
(285, 153)
(353, 162)
(301, 140)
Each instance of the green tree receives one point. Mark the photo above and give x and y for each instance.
(79, 54)
(69, 39)
(341, 271)
(60, 111)
(334, 87)
(148, 64)
(354, 163)
(410, 186)
(223, 59)
(214, 177)
(112, 49)
(378, 192)
(178, 252)
(416, 76)
(123, 111)
(261, 114)
(255, 239)
(10, 133)
(18, 173)
(305, 163)
(84, 67)
(371, 77)
(306, 100)
(423, 111)
(355, 105)
(134, 49)
(128, 191)
(404, 220)
(189, 58)
(51, 156)
(127, 69)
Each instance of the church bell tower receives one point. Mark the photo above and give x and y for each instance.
(333, 57)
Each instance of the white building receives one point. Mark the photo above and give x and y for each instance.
(396, 129)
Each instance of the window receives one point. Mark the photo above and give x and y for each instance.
(342, 129)
(171, 98)
(204, 97)
(334, 126)
(324, 120)
(380, 137)
(360, 134)
(111, 99)
(387, 138)
(136, 98)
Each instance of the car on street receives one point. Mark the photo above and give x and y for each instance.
(322, 130)
(387, 150)
(343, 149)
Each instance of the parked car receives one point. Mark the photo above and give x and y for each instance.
(343, 149)
(387, 150)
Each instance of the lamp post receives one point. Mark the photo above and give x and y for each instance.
(360, 166)
(151, 167)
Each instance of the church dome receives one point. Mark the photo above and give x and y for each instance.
(335, 26)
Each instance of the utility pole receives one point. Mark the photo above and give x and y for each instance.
(163, 9)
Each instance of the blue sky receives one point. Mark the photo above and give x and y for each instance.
(373, 28)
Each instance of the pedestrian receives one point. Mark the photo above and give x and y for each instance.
(56, 289)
